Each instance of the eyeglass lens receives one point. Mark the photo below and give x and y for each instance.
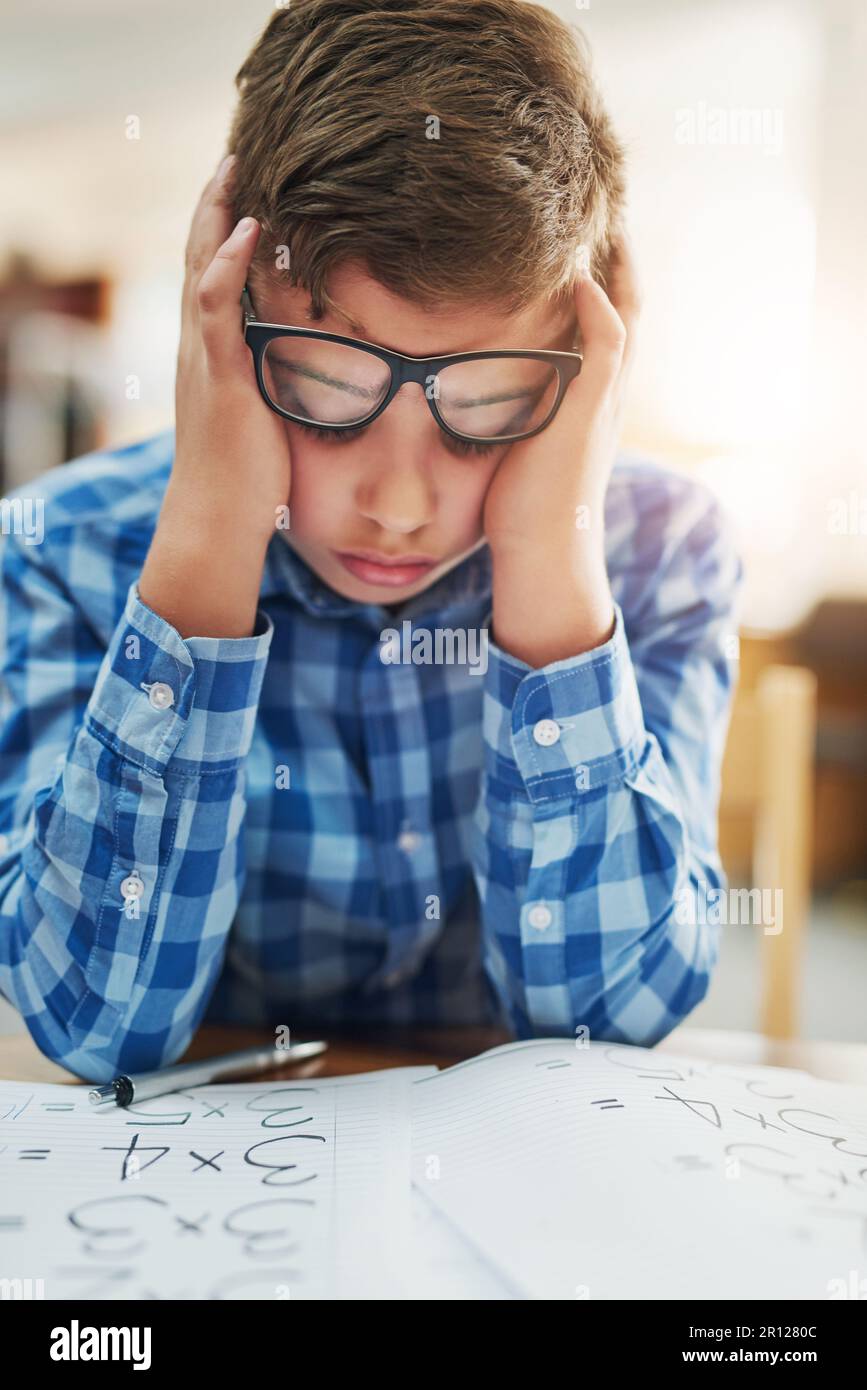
(332, 384)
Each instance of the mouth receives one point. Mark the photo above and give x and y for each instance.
(393, 572)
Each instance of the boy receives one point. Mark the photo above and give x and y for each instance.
(352, 703)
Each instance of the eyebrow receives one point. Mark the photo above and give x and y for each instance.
(470, 401)
(300, 369)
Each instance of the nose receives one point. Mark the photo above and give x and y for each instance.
(396, 490)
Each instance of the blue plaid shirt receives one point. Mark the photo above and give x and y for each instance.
(288, 829)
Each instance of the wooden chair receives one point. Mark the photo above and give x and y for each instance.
(767, 777)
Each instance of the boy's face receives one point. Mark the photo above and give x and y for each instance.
(402, 490)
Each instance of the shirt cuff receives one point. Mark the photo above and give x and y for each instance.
(564, 729)
(159, 696)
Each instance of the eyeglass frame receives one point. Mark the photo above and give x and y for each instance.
(258, 334)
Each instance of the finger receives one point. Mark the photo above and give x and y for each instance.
(603, 336)
(211, 225)
(624, 291)
(623, 283)
(218, 296)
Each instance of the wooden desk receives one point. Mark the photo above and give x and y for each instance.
(360, 1050)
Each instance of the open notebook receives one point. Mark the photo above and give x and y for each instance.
(617, 1172)
(537, 1170)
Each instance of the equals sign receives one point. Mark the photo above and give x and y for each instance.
(11, 1223)
(57, 1106)
(34, 1153)
(552, 1066)
(611, 1104)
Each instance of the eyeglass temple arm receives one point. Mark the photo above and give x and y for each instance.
(247, 305)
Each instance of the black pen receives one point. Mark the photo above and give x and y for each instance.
(124, 1090)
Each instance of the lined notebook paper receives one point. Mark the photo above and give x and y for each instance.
(266, 1191)
(617, 1172)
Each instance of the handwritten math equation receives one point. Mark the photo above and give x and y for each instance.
(813, 1154)
(278, 1143)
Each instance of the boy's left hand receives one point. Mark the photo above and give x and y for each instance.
(544, 509)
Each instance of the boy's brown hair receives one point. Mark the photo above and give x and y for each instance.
(335, 158)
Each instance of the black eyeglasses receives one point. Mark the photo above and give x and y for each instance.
(330, 382)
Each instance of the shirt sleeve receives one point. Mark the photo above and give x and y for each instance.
(596, 827)
(121, 810)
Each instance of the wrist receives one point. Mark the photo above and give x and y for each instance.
(550, 604)
(202, 574)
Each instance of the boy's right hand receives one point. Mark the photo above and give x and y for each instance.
(231, 449)
(231, 472)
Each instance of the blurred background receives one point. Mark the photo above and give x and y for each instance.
(744, 123)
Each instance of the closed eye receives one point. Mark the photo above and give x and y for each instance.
(462, 447)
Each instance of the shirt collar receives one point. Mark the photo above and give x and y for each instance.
(285, 572)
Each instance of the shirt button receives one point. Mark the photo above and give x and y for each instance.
(408, 841)
(540, 916)
(161, 695)
(132, 886)
(546, 732)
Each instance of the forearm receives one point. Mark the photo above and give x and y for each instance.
(148, 788)
(203, 571)
(590, 847)
(595, 927)
(552, 600)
